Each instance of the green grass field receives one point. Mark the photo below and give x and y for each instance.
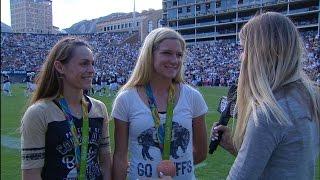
(216, 166)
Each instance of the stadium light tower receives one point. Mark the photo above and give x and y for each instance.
(134, 15)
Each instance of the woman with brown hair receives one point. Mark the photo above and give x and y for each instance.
(64, 134)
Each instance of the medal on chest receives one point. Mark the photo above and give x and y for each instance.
(166, 166)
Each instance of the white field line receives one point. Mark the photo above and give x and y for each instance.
(201, 165)
(10, 142)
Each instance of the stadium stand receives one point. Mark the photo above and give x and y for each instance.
(213, 63)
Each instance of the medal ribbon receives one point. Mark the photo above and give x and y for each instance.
(80, 147)
(156, 118)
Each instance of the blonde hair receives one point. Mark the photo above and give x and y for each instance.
(142, 72)
(49, 82)
(273, 51)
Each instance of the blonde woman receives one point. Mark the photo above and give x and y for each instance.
(64, 134)
(277, 131)
(141, 120)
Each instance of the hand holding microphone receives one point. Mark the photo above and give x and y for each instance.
(226, 138)
(226, 108)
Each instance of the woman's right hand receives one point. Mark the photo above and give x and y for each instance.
(226, 139)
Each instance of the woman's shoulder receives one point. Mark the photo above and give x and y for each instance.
(295, 100)
(129, 90)
(189, 90)
(291, 91)
(41, 105)
(188, 87)
(96, 107)
(126, 93)
(41, 108)
(94, 101)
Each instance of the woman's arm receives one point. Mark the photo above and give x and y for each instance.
(31, 174)
(200, 145)
(258, 145)
(120, 159)
(105, 151)
(33, 133)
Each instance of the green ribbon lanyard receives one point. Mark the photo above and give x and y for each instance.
(85, 139)
(80, 148)
(169, 117)
(156, 118)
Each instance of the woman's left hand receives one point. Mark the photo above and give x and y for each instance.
(226, 139)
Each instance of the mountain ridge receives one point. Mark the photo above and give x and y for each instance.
(89, 26)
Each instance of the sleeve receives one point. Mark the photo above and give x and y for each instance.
(199, 106)
(259, 142)
(104, 111)
(33, 130)
(120, 108)
(105, 132)
(105, 136)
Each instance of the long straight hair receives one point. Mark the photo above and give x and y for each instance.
(49, 81)
(273, 51)
(142, 72)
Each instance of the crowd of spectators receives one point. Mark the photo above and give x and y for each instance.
(26, 52)
(214, 63)
(312, 60)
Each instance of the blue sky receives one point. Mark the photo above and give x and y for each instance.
(68, 12)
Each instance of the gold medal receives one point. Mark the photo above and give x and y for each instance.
(166, 168)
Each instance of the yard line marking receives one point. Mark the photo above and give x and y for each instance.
(10, 142)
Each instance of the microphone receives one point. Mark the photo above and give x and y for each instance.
(227, 109)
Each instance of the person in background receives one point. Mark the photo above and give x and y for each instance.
(64, 133)
(277, 130)
(6, 87)
(143, 107)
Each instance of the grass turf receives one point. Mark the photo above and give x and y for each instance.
(216, 166)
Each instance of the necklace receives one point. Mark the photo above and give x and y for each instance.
(163, 139)
(80, 141)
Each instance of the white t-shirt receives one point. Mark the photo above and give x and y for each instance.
(7, 86)
(145, 154)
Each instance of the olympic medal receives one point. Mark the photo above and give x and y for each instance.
(166, 168)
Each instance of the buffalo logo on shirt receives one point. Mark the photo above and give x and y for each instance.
(180, 138)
